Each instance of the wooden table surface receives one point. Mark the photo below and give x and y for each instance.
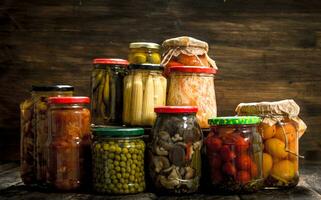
(12, 188)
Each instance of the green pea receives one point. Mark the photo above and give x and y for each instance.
(123, 158)
(131, 178)
(125, 186)
(131, 150)
(119, 185)
(126, 175)
(125, 150)
(111, 142)
(118, 175)
(117, 169)
(122, 181)
(118, 149)
(112, 148)
(112, 172)
(127, 191)
(106, 147)
(116, 163)
(113, 177)
(117, 157)
(123, 170)
(133, 166)
(111, 155)
(98, 146)
(129, 156)
(134, 156)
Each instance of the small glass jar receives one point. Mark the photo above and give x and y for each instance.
(144, 53)
(107, 90)
(281, 154)
(68, 144)
(175, 150)
(144, 89)
(34, 132)
(234, 152)
(193, 86)
(118, 160)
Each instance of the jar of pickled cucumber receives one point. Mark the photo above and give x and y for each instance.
(144, 88)
(280, 129)
(107, 90)
(193, 86)
(234, 152)
(118, 160)
(175, 150)
(34, 132)
(68, 144)
(144, 53)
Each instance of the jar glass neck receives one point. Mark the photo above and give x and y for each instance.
(36, 94)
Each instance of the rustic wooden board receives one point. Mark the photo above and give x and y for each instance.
(265, 50)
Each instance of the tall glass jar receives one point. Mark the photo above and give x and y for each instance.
(280, 129)
(234, 152)
(118, 160)
(193, 86)
(175, 150)
(107, 90)
(34, 132)
(144, 89)
(144, 53)
(68, 144)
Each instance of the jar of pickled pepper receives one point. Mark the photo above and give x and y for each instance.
(34, 132)
(107, 90)
(68, 144)
(234, 152)
(118, 160)
(280, 129)
(144, 53)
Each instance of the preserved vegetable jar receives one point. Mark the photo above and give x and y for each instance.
(280, 129)
(193, 86)
(107, 90)
(34, 131)
(68, 144)
(186, 51)
(144, 88)
(144, 53)
(234, 152)
(175, 150)
(118, 160)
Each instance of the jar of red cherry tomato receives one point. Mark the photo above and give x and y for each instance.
(234, 152)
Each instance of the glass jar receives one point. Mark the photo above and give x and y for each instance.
(175, 150)
(144, 89)
(193, 86)
(118, 160)
(68, 144)
(280, 130)
(34, 132)
(107, 90)
(234, 152)
(144, 53)
(185, 51)
(280, 156)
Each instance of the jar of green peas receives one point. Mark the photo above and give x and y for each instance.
(118, 160)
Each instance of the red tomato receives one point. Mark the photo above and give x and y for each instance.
(173, 64)
(241, 144)
(243, 177)
(216, 176)
(226, 153)
(229, 169)
(214, 144)
(243, 162)
(216, 161)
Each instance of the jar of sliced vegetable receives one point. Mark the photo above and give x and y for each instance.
(107, 90)
(234, 152)
(118, 160)
(144, 53)
(175, 150)
(193, 86)
(144, 88)
(68, 144)
(34, 132)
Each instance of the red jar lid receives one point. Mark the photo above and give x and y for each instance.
(68, 100)
(193, 69)
(110, 61)
(176, 109)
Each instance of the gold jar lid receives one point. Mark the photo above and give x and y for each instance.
(149, 45)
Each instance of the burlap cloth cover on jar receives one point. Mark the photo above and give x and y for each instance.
(188, 49)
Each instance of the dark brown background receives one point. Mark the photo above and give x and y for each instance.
(265, 49)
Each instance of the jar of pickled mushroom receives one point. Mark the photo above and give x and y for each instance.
(185, 51)
(118, 160)
(68, 144)
(234, 152)
(144, 89)
(144, 53)
(193, 86)
(280, 129)
(175, 150)
(107, 90)
(34, 132)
